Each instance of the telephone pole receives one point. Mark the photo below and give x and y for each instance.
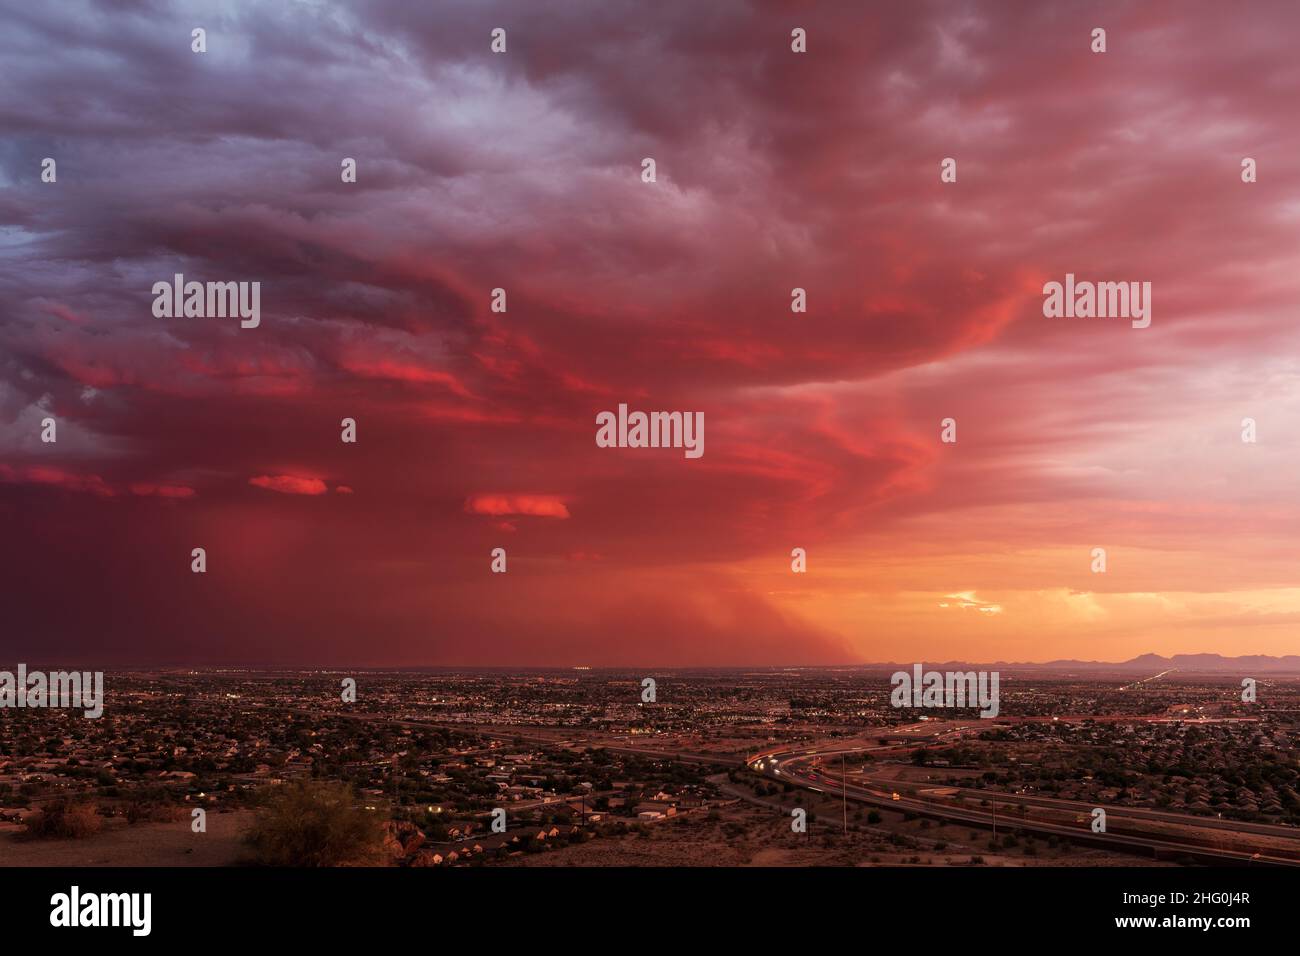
(844, 790)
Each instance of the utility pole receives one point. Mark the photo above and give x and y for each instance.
(844, 790)
(995, 819)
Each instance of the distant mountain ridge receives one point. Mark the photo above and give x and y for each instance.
(1248, 665)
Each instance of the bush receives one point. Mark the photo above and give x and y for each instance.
(67, 820)
(154, 811)
(316, 824)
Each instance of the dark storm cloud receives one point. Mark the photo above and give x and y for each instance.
(479, 171)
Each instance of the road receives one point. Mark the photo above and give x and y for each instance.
(795, 766)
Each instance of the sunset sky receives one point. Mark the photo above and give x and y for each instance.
(477, 430)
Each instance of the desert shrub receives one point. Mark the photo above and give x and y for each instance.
(154, 811)
(67, 820)
(311, 823)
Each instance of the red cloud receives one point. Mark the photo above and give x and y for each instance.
(543, 506)
(149, 489)
(400, 371)
(57, 477)
(289, 484)
(61, 311)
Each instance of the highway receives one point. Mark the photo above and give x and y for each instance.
(796, 766)
(1135, 813)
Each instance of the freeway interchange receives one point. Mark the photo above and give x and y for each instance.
(1163, 835)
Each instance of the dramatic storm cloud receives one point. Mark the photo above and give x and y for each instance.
(475, 429)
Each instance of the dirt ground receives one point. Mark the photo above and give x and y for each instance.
(148, 844)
